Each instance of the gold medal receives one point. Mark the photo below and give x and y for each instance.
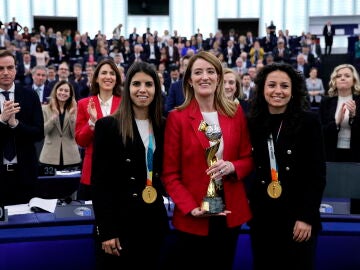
(149, 194)
(274, 189)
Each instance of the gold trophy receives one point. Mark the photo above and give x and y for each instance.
(212, 202)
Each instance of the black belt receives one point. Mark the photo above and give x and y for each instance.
(10, 167)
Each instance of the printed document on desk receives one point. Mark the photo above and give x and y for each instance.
(68, 172)
(36, 204)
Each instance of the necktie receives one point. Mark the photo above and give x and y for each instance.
(38, 90)
(9, 144)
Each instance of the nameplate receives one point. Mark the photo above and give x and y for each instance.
(47, 170)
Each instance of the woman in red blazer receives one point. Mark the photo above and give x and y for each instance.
(104, 99)
(211, 238)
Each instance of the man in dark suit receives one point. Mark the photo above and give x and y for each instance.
(21, 126)
(248, 92)
(302, 66)
(41, 89)
(152, 51)
(133, 37)
(175, 96)
(328, 33)
(58, 52)
(24, 68)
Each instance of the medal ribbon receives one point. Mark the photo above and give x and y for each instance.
(150, 157)
(273, 165)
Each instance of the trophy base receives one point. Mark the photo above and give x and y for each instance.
(212, 205)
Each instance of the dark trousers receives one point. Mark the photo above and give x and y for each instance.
(84, 192)
(142, 251)
(328, 46)
(14, 189)
(215, 251)
(275, 250)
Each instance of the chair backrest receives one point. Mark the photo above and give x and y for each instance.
(342, 180)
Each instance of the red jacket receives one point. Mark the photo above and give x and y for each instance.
(84, 135)
(185, 164)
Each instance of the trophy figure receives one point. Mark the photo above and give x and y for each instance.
(212, 202)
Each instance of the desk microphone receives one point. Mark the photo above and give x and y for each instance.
(65, 201)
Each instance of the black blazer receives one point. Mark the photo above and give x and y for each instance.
(327, 115)
(20, 72)
(147, 52)
(329, 35)
(301, 164)
(119, 176)
(29, 131)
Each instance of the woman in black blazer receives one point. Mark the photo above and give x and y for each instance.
(131, 217)
(340, 115)
(290, 173)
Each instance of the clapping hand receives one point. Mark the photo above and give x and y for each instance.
(10, 109)
(92, 110)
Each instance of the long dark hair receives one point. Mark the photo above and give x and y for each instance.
(125, 113)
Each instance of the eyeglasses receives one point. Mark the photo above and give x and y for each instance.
(63, 69)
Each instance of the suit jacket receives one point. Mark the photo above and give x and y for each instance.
(176, 55)
(29, 131)
(59, 139)
(235, 54)
(46, 92)
(281, 59)
(132, 58)
(55, 56)
(120, 194)
(25, 79)
(300, 158)
(327, 115)
(73, 50)
(175, 96)
(317, 50)
(147, 52)
(329, 35)
(84, 134)
(306, 69)
(133, 38)
(185, 164)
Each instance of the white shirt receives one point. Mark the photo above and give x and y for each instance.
(344, 134)
(105, 106)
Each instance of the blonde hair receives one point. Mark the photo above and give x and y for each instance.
(355, 89)
(221, 103)
(238, 92)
